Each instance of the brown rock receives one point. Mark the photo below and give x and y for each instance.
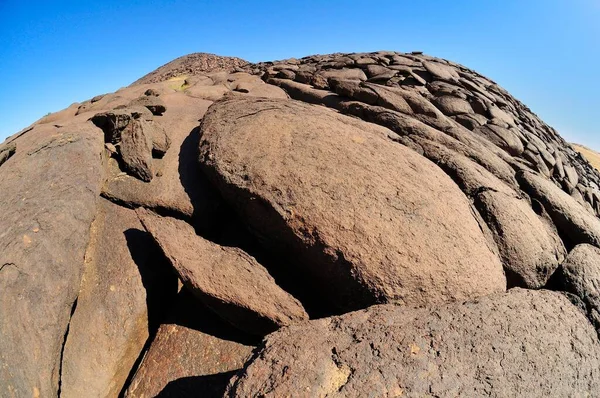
(126, 283)
(153, 103)
(48, 194)
(6, 151)
(194, 353)
(452, 106)
(228, 280)
(574, 223)
(337, 197)
(180, 188)
(136, 150)
(530, 247)
(521, 343)
(580, 275)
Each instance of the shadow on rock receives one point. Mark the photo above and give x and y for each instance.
(158, 278)
(204, 386)
(193, 314)
(206, 201)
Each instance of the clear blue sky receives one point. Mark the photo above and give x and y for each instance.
(545, 52)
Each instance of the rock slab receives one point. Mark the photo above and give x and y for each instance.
(228, 280)
(339, 199)
(520, 343)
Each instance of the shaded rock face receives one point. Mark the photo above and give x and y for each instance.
(337, 193)
(530, 247)
(125, 288)
(296, 189)
(580, 275)
(228, 280)
(521, 343)
(194, 353)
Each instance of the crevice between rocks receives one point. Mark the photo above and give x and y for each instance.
(62, 350)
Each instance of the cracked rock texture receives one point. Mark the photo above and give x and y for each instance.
(279, 196)
(521, 343)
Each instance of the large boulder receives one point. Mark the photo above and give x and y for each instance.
(178, 188)
(529, 245)
(48, 195)
(226, 279)
(521, 343)
(574, 222)
(125, 287)
(194, 353)
(341, 200)
(580, 275)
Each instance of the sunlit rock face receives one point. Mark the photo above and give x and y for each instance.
(377, 224)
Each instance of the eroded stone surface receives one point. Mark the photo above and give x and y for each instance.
(48, 195)
(194, 353)
(521, 343)
(339, 198)
(126, 284)
(229, 281)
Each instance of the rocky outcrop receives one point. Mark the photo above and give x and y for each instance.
(48, 195)
(580, 275)
(522, 343)
(296, 189)
(337, 195)
(228, 280)
(194, 353)
(573, 221)
(125, 288)
(192, 64)
(6, 151)
(530, 247)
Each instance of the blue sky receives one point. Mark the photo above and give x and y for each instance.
(546, 53)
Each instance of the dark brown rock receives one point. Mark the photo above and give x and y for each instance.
(521, 343)
(324, 188)
(48, 194)
(178, 188)
(228, 280)
(126, 283)
(6, 151)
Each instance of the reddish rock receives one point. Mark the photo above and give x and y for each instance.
(337, 196)
(228, 280)
(194, 353)
(126, 284)
(521, 343)
(48, 195)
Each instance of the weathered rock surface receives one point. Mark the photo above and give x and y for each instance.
(48, 195)
(125, 277)
(529, 245)
(6, 151)
(339, 195)
(228, 280)
(580, 275)
(423, 184)
(521, 343)
(573, 221)
(136, 151)
(191, 64)
(194, 353)
(179, 187)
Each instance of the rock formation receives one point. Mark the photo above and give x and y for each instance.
(388, 224)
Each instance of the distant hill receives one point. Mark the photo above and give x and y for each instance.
(592, 156)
